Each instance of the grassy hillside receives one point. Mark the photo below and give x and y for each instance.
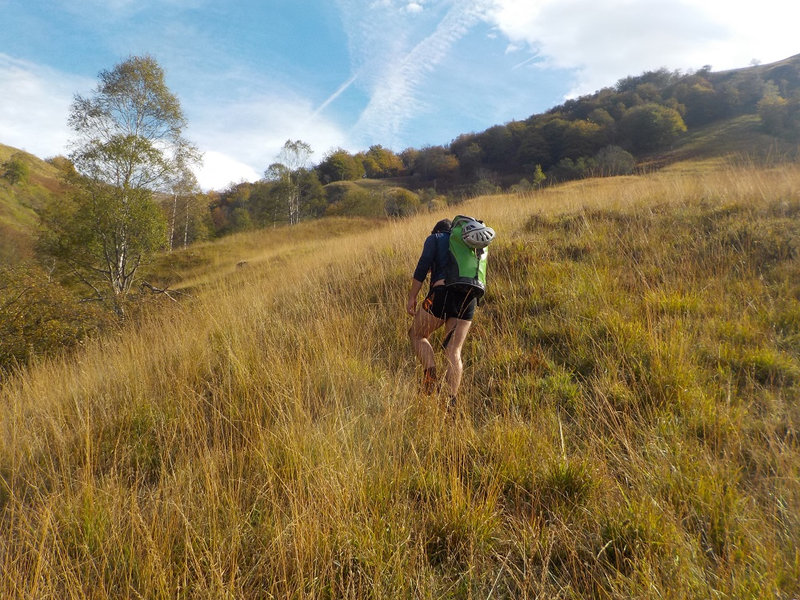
(733, 141)
(19, 202)
(206, 263)
(628, 427)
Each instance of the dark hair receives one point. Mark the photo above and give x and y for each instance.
(442, 226)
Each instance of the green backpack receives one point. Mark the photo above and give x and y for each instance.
(466, 268)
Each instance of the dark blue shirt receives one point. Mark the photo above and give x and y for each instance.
(434, 257)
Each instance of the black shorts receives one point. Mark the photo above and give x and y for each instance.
(444, 302)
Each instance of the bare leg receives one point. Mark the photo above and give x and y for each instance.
(423, 325)
(455, 368)
(448, 332)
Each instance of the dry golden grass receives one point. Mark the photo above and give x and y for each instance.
(628, 424)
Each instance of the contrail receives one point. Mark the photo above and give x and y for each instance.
(334, 96)
(525, 62)
(394, 99)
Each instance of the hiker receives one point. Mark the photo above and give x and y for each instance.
(452, 298)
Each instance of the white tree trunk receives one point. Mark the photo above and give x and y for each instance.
(172, 221)
(186, 226)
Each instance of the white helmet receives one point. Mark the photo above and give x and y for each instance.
(476, 235)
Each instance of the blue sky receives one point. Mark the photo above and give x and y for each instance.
(351, 73)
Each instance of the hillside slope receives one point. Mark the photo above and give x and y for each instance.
(733, 142)
(19, 202)
(628, 427)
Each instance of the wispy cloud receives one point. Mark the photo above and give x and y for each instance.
(527, 61)
(34, 106)
(395, 64)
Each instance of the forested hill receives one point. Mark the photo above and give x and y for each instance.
(645, 115)
(643, 121)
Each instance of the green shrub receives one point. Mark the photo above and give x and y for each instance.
(401, 203)
(613, 160)
(16, 170)
(353, 201)
(39, 317)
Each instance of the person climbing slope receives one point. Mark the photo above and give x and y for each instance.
(455, 256)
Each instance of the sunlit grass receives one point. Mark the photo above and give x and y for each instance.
(627, 428)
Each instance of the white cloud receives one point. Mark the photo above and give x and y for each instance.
(242, 138)
(34, 106)
(605, 41)
(218, 170)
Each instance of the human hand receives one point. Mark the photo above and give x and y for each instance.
(411, 307)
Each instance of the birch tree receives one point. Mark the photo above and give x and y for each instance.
(183, 191)
(287, 171)
(128, 145)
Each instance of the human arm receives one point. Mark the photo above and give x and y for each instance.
(413, 293)
(424, 264)
(426, 259)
